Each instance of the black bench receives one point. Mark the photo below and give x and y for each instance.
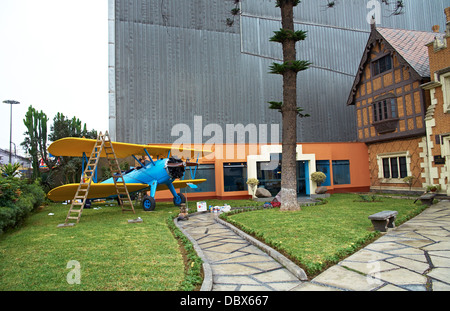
(427, 198)
(383, 220)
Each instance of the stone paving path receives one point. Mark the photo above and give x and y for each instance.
(415, 256)
(236, 264)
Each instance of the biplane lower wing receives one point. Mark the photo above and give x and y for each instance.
(180, 183)
(96, 191)
(100, 191)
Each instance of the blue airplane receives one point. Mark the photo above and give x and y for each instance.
(167, 171)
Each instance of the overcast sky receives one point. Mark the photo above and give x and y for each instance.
(53, 56)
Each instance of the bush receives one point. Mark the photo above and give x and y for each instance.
(17, 199)
(318, 177)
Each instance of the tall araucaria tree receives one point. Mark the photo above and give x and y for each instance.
(288, 37)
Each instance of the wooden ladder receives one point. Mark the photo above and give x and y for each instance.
(79, 200)
(123, 196)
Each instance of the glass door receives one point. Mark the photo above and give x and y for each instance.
(269, 176)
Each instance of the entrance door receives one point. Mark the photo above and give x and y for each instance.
(302, 180)
(269, 176)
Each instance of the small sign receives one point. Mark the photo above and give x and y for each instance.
(201, 206)
(439, 160)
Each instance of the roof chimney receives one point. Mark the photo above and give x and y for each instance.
(373, 23)
(435, 28)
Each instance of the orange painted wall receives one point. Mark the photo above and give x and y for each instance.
(357, 153)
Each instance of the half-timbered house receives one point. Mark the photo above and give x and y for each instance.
(391, 106)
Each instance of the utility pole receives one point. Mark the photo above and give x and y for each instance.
(10, 102)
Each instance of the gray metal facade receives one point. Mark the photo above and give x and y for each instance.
(171, 60)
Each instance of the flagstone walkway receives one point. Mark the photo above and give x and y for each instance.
(236, 264)
(415, 256)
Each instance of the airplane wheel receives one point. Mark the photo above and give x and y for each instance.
(148, 203)
(177, 201)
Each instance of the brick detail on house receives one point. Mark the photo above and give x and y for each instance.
(437, 118)
(413, 148)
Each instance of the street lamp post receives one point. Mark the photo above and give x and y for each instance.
(10, 102)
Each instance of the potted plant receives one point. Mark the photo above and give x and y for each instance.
(253, 183)
(318, 178)
(433, 188)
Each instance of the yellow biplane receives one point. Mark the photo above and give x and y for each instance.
(164, 169)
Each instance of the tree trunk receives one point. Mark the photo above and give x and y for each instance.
(289, 116)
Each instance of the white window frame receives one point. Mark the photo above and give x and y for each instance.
(382, 156)
(445, 152)
(445, 82)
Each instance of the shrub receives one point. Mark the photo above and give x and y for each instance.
(10, 170)
(17, 199)
(318, 177)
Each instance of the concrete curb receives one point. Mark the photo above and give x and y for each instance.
(283, 260)
(207, 278)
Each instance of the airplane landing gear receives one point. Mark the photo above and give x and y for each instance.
(148, 203)
(179, 200)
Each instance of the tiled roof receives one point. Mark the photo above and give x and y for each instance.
(411, 45)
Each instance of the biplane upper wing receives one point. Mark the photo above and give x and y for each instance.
(99, 190)
(74, 147)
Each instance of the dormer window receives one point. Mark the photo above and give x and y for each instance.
(382, 64)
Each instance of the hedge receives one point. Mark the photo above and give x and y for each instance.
(17, 199)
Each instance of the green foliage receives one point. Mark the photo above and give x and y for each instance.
(286, 34)
(193, 278)
(295, 66)
(319, 236)
(275, 105)
(35, 142)
(69, 168)
(252, 182)
(433, 188)
(278, 106)
(17, 199)
(409, 180)
(294, 2)
(368, 198)
(114, 254)
(9, 170)
(318, 177)
(235, 11)
(64, 127)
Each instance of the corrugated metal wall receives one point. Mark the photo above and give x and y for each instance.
(176, 59)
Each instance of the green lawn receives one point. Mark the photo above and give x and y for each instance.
(318, 236)
(116, 255)
(113, 254)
